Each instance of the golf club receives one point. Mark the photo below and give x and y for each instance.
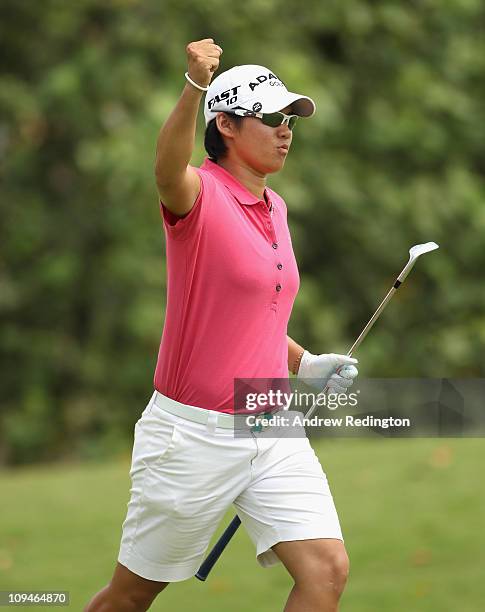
(414, 252)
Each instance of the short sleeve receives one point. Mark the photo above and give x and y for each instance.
(183, 228)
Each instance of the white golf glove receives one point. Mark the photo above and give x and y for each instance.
(336, 371)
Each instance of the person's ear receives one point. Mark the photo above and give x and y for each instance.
(225, 126)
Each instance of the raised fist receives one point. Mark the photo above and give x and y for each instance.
(203, 60)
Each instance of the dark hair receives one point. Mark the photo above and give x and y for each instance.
(214, 142)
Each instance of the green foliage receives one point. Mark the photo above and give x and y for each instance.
(393, 157)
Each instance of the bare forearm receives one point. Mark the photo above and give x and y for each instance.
(295, 352)
(176, 139)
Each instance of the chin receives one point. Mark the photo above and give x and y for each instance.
(272, 168)
(267, 164)
(277, 167)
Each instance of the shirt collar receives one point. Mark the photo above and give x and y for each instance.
(238, 190)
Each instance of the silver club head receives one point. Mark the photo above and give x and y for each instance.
(414, 253)
(419, 249)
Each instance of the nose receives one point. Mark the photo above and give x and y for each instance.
(284, 131)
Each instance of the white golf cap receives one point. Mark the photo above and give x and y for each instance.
(254, 89)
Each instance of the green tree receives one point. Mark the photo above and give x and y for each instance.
(393, 157)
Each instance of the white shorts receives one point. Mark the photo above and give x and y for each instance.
(185, 475)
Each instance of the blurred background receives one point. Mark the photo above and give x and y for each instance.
(394, 156)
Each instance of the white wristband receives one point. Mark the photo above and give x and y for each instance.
(194, 83)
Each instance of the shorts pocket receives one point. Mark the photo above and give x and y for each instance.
(155, 441)
(157, 473)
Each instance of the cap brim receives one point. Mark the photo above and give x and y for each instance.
(303, 106)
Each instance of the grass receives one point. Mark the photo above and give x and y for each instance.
(411, 510)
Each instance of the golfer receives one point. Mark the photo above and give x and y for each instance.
(232, 281)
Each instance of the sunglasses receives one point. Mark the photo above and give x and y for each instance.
(270, 119)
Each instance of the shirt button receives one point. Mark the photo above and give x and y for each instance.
(278, 287)
(279, 266)
(274, 245)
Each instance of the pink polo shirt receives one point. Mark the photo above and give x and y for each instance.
(231, 282)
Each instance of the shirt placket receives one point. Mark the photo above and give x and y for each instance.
(275, 248)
